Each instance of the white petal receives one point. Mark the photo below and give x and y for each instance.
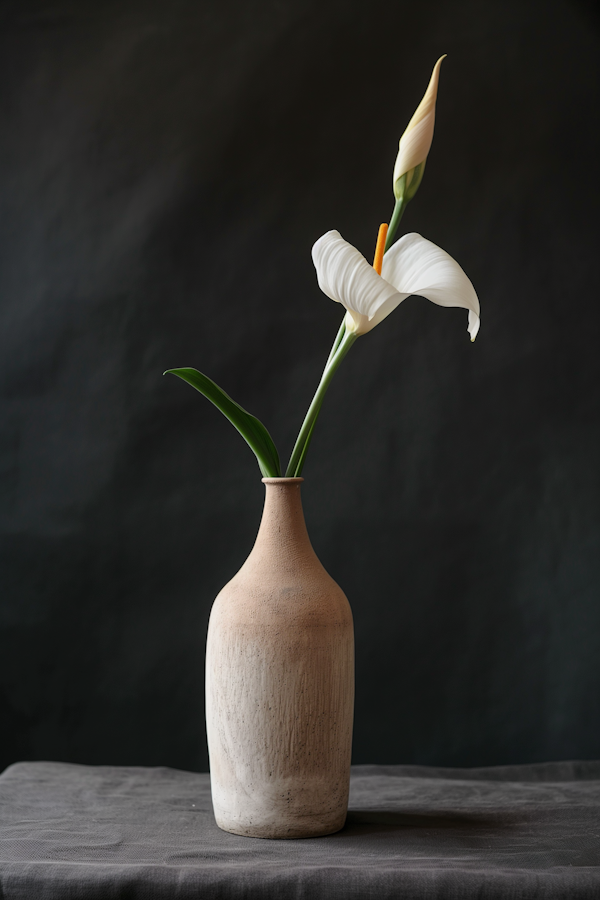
(346, 276)
(416, 266)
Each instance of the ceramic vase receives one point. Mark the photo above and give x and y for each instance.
(280, 684)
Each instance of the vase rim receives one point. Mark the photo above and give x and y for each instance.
(282, 480)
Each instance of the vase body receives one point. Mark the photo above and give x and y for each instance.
(280, 685)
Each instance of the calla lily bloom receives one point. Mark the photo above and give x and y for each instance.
(413, 265)
(415, 143)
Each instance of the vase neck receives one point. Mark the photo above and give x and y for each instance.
(282, 531)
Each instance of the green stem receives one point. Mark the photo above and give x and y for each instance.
(300, 464)
(337, 342)
(301, 446)
(395, 221)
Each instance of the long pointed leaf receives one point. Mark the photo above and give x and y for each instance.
(252, 429)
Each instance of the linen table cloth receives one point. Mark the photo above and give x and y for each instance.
(70, 831)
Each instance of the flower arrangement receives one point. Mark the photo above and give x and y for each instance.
(369, 293)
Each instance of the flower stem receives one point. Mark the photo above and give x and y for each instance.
(395, 221)
(337, 342)
(296, 462)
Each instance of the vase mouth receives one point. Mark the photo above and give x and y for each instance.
(282, 480)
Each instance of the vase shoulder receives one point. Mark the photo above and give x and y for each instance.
(264, 597)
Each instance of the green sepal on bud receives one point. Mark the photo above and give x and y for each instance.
(408, 184)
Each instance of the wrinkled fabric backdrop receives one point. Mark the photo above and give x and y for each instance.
(165, 170)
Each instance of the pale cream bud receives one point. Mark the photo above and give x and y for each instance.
(416, 140)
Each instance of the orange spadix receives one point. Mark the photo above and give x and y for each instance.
(378, 261)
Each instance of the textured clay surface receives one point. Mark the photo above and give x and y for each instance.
(280, 684)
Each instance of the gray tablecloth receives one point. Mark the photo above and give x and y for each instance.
(70, 831)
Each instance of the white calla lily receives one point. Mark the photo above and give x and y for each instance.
(413, 265)
(415, 143)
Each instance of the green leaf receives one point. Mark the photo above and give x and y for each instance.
(252, 429)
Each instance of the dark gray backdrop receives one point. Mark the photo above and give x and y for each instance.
(165, 170)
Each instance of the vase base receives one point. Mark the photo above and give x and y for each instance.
(284, 831)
